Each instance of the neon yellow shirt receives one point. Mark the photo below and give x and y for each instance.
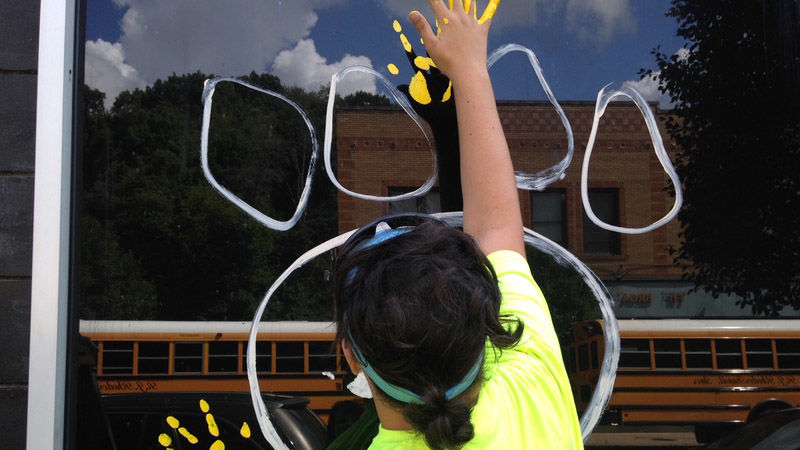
(526, 401)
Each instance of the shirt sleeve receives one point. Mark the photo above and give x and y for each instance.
(522, 299)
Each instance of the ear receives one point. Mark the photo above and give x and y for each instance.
(355, 367)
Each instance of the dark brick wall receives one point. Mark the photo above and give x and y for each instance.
(19, 37)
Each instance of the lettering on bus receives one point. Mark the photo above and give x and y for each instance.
(117, 386)
(636, 300)
(747, 380)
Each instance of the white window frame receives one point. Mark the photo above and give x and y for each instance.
(51, 225)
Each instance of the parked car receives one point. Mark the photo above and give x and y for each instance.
(776, 430)
(155, 421)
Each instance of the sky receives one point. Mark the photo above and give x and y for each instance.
(582, 44)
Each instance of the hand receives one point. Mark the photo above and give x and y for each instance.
(459, 50)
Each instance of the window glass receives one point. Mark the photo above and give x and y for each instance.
(634, 354)
(788, 353)
(667, 353)
(429, 203)
(729, 353)
(223, 356)
(549, 214)
(117, 357)
(605, 204)
(698, 353)
(188, 357)
(289, 357)
(321, 356)
(759, 353)
(153, 357)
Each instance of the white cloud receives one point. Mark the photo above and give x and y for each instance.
(591, 20)
(599, 20)
(302, 66)
(107, 71)
(649, 87)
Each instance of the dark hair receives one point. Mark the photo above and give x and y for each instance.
(420, 307)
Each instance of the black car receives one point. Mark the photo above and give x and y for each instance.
(156, 421)
(777, 430)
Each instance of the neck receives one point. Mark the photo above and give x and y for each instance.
(391, 418)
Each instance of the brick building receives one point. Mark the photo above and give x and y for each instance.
(382, 152)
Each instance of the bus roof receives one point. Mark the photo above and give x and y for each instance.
(707, 325)
(152, 326)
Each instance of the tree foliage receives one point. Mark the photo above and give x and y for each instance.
(157, 242)
(737, 124)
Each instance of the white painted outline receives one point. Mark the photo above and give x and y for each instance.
(269, 222)
(540, 180)
(403, 102)
(604, 97)
(605, 383)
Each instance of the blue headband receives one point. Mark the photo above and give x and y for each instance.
(406, 396)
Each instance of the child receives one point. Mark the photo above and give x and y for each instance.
(418, 304)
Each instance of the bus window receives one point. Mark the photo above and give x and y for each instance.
(223, 356)
(593, 351)
(289, 357)
(634, 354)
(263, 356)
(667, 353)
(117, 357)
(729, 353)
(153, 357)
(788, 353)
(188, 357)
(759, 353)
(583, 357)
(321, 356)
(698, 353)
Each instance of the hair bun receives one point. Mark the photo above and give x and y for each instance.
(444, 423)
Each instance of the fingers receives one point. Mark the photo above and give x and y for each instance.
(422, 26)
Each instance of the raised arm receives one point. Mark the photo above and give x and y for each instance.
(491, 203)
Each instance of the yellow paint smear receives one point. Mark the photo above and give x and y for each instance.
(448, 93)
(189, 436)
(406, 44)
(488, 13)
(393, 69)
(397, 26)
(213, 429)
(173, 422)
(164, 440)
(423, 63)
(217, 445)
(245, 430)
(418, 88)
(204, 406)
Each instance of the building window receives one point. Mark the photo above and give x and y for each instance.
(605, 204)
(549, 214)
(429, 203)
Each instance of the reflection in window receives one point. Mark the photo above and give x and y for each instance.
(117, 357)
(698, 353)
(549, 214)
(289, 357)
(188, 357)
(605, 204)
(321, 356)
(729, 353)
(634, 354)
(759, 353)
(429, 203)
(223, 356)
(153, 357)
(667, 353)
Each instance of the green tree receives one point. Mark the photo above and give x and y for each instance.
(736, 120)
(157, 240)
